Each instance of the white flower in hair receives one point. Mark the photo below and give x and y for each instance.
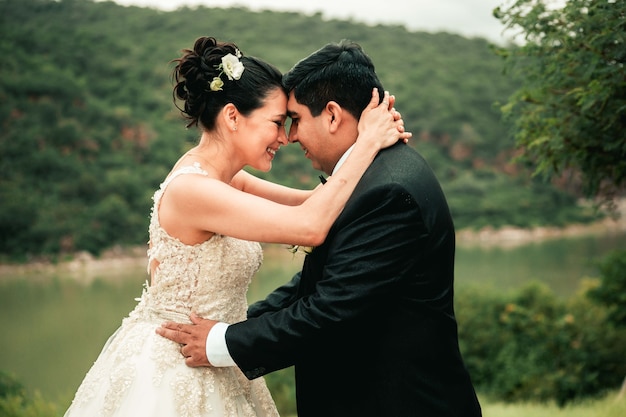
(231, 66)
(216, 84)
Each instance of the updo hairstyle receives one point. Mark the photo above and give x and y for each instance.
(195, 70)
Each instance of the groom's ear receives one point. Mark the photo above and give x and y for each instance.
(334, 115)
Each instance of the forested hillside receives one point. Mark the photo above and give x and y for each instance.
(89, 129)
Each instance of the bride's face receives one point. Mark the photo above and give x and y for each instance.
(264, 132)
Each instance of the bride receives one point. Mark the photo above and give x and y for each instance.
(207, 216)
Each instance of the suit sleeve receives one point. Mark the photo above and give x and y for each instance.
(368, 255)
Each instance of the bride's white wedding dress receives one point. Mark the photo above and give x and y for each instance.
(140, 373)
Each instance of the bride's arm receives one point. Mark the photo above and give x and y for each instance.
(281, 194)
(211, 205)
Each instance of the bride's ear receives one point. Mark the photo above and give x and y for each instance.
(334, 114)
(230, 115)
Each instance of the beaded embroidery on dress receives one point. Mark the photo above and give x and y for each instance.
(140, 373)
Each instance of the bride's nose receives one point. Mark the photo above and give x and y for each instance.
(282, 137)
(293, 133)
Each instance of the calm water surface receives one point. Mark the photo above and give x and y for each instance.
(53, 325)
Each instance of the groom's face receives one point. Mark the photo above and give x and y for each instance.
(313, 135)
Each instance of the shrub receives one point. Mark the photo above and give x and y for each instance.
(15, 401)
(534, 346)
(612, 289)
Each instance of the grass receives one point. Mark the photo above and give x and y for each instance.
(612, 405)
(609, 406)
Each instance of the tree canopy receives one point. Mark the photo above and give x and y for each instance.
(569, 113)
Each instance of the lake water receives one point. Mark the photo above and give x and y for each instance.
(54, 325)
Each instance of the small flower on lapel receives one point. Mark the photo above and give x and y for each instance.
(298, 248)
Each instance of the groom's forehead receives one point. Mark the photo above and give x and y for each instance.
(295, 109)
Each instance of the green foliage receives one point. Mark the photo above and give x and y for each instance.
(282, 386)
(89, 129)
(612, 289)
(481, 198)
(9, 386)
(16, 402)
(533, 346)
(570, 111)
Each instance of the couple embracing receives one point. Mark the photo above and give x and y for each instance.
(368, 323)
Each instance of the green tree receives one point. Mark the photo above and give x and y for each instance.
(570, 112)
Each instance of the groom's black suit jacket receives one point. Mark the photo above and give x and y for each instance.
(369, 321)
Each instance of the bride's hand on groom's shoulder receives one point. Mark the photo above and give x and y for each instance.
(190, 337)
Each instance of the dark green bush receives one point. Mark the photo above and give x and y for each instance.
(534, 346)
(612, 291)
(16, 402)
(9, 386)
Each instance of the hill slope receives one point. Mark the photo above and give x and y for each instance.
(89, 129)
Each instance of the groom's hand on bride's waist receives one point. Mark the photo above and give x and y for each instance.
(190, 337)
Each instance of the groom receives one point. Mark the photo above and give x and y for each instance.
(369, 322)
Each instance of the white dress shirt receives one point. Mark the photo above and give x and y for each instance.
(216, 348)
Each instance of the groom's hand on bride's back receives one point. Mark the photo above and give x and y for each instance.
(191, 337)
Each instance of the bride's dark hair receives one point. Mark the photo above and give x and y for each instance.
(197, 67)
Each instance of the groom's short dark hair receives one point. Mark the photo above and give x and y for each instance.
(339, 72)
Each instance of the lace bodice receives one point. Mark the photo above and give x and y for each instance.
(210, 278)
(142, 373)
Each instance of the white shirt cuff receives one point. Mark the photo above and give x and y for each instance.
(216, 349)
